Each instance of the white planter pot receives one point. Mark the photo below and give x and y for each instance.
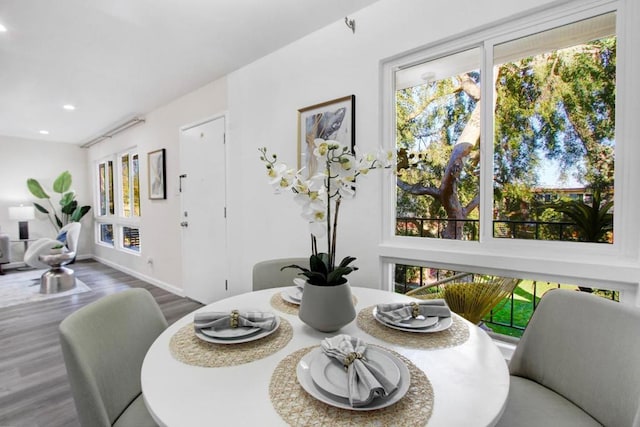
(327, 308)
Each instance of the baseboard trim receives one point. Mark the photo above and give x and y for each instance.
(167, 287)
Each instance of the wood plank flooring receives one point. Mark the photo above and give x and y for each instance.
(34, 391)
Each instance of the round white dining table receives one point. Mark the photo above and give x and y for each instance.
(470, 381)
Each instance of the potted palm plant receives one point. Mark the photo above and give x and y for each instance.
(70, 210)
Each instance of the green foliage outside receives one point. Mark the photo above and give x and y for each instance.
(523, 297)
(556, 106)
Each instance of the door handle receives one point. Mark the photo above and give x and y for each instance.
(184, 224)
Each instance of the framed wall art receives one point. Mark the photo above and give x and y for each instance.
(157, 174)
(335, 119)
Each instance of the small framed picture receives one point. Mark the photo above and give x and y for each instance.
(157, 174)
(335, 120)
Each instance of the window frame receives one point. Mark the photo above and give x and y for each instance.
(589, 262)
(117, 219)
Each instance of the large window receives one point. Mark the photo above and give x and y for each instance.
(119, 202)
(105, 193)
(438, 144)
(554, 133)
(555, 167)
(551, 105)
(130, 178)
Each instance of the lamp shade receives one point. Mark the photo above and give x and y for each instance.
(22, 213)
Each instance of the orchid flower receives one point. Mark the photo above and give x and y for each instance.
(321, 194)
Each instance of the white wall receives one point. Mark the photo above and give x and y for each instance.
(160, 230)
(263, 101)
(21, 159)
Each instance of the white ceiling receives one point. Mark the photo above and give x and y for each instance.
(114, 59)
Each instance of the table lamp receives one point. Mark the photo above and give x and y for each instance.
(22, 214)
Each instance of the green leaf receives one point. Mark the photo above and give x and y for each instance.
(36, 189)
(67, 198)
(69, 208)
(41, 208)
(58, 221)
(62, 183)
(79, 213)
(294, 266)
(346, 261)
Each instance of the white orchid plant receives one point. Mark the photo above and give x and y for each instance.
(320, 196)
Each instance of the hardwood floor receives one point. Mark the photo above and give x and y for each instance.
(34, 391)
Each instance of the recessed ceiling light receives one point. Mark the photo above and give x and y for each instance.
(44, 132)
(69, 107)
(3, 29)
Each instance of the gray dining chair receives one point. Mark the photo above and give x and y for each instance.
(576, 365)
(267, 274)
(104, 344)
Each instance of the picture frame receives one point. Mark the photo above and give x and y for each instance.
(334, 119)
(157, 174)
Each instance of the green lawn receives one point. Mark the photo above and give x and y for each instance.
(523, 306)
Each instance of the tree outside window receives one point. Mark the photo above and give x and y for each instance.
(554, 138)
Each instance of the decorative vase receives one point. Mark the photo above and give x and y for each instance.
(326, 308)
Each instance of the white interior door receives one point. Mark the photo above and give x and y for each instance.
(203, 216)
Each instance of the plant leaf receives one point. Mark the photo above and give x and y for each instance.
(36, 189)
(41, 208)
(346, 261)
(67, 198)
(58, 221)
(294, 266)
(79, 213)
(62, 183)
(70, 208)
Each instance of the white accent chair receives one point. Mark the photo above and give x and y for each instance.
(43, 246)
(104, 344)
(576, 365)
(267, 274)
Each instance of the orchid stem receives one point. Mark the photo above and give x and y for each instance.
(335, 235)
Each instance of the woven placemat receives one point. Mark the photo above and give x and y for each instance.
(280, 304)
(298, 408)
(457, 334)
(189, 349)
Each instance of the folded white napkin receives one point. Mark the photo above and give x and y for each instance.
(365, 381)
(396, 312)
(223, 320)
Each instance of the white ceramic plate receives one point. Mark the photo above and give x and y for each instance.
(285, 296)
(330, 375)
(299, 282)
(230, 333)
(242, 339)
(443, 323)
(426, 322)
(303, 372)
(294, 292)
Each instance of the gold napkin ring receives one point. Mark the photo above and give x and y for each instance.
(415, 309)
(351, 357)
(234, 319)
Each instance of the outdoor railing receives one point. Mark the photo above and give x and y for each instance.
(514, 229)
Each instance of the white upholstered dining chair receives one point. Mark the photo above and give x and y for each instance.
(268, 274)
(104, 344)
(576, 365)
